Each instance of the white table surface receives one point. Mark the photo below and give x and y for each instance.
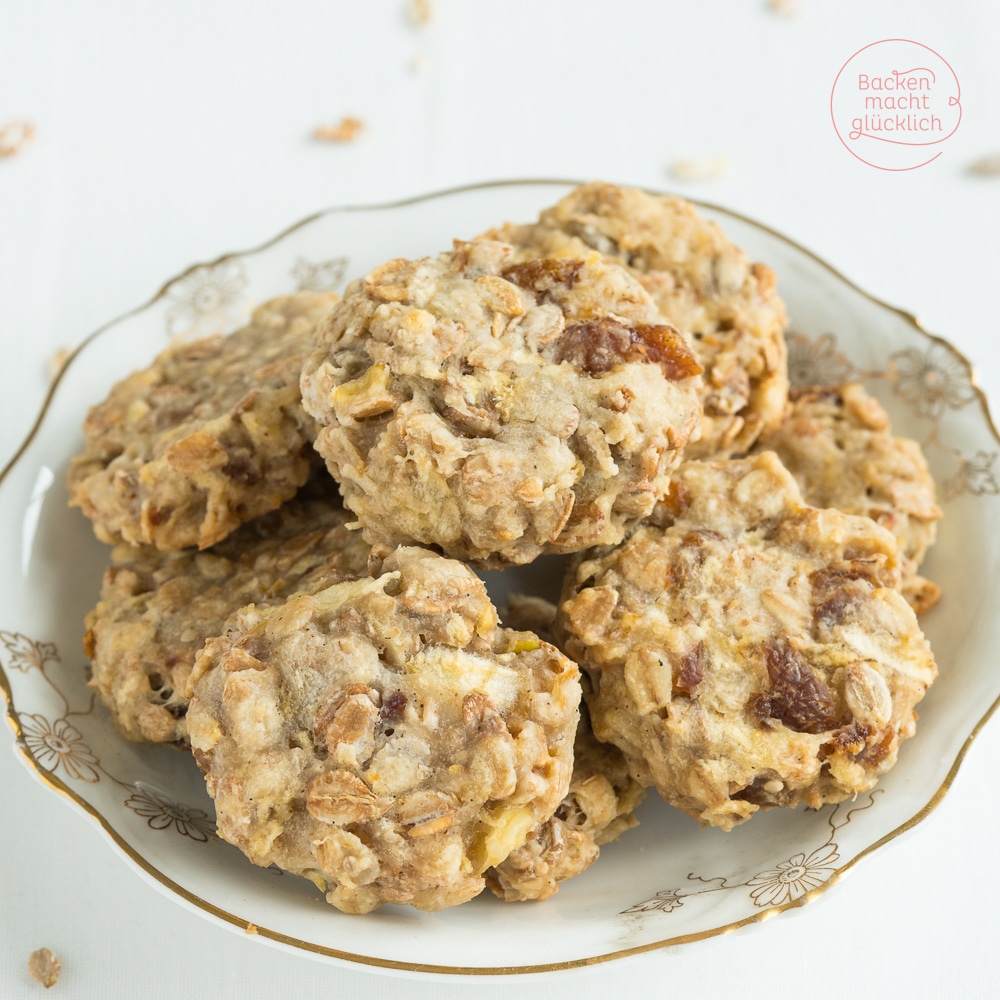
(170, 133)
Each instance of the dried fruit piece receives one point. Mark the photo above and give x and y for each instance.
(798, 698)
(690, 670)
(536, 275)
(597, 346)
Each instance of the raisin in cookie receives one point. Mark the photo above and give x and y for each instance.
(158, 608)
(383, 737)
(210, 436)
(838, 444)
(498, 410)
(703, 284)
(755, 652)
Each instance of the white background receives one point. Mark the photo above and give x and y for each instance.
(171, 133)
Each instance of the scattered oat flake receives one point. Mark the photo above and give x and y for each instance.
(58, 361)
(346, 130)
(789, 8)
(44, 967)
(699, 170)
(421, 12)
(14, 136)
(252, 929)
(988, 166)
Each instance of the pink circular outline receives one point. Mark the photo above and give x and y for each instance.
(957, 101)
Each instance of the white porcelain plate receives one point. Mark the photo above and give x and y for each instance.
(665, 882)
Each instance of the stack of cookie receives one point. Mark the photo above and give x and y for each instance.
(608, 384)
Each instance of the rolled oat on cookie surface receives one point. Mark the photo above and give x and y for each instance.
(384, 737)
(837, 442)
(208, 437)
(702, 283)
(748, 651)
(497, 410)
(157, 608)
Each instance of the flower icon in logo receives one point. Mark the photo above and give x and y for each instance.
(816, 362)
(211, 299)
(794, 877)
(58, 745)
(930, 381)
(161, 813)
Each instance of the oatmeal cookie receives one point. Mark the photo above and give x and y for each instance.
(755, 651)
(498, 410)
(703, 284)
(210, 436)
(383, 737)
(838, 444)
(157, 608)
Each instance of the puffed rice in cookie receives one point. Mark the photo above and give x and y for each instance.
(210, 436)
(755, 652)
(497, 410)
(383, 737)
(838, 444)
(703, 284)
(158, 608)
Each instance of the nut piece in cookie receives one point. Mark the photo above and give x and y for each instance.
(497, 410)
(158, 608)
(838, 444)
(754, 652)
(702, 283)
(383, 737)
(208, 437)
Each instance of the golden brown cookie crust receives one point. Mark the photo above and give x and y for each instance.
(702, 283)
(384, 737)
(752, 653)
(208, 437)
(498, 410)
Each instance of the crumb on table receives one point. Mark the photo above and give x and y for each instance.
(420, 12)
(699, 170)
(346, 130)
(986, 166)
(14, 136)
(44, 967)
(788, 8)
(57, 361)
